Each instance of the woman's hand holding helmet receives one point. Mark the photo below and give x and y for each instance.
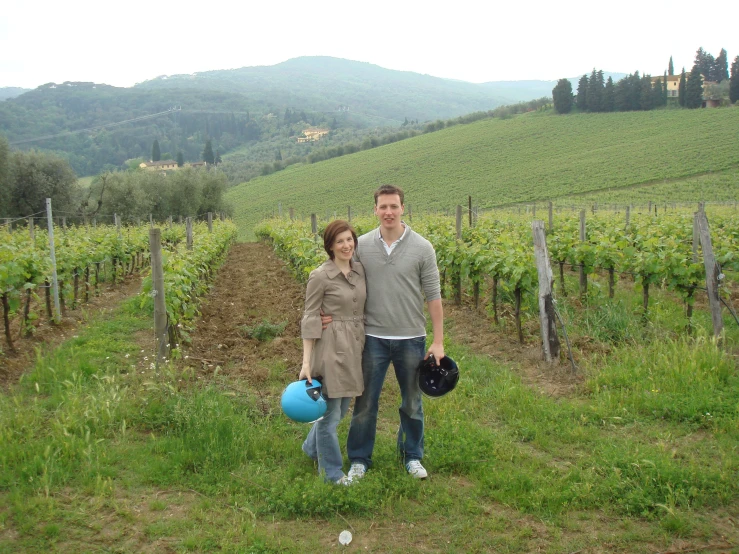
(305, 372)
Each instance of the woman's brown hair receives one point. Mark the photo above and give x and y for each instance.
(334, 229)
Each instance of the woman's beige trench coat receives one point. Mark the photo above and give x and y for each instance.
(337, 352)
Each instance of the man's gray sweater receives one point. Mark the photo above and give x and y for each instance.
(397, 284)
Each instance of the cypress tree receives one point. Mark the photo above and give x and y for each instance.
(734, 82)
(621, 95)
(657, 93)
(156, 154)
(609, 96)
(208, 156)
(681, 89)
(646, 91)
(582, 93)
(664, 89)
(562, 96)
(721, 67)
(594, 92)
(670, 68)
(180, 159)
(694, 89)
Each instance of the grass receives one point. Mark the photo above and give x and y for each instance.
(99, 453)
(533, 157)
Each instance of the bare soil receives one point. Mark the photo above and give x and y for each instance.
(252, 287)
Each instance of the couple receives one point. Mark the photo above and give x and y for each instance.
(352, 359)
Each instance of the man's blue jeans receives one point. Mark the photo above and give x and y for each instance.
(405, 356)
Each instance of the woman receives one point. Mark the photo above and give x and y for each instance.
(337, 287)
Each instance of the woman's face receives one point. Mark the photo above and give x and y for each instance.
(343, 247)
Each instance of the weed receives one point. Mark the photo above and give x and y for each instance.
(264, 331)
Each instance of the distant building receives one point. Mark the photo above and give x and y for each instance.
(162, 165)
(673, 83)
(168, 165)
(313, 134)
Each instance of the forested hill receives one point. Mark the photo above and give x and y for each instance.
(230, 107)
(122, 123)
(11, 92)
(326, 84)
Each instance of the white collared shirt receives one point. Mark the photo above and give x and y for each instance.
(390, 248)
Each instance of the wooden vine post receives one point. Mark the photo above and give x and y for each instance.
(713, 275)
(550, 340)
(314, 226)
(457, 273)
(188, 232)
(160, 307)
(583, 274)
(52, 255)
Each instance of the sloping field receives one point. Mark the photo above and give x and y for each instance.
(533, 157)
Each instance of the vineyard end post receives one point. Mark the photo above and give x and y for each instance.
(52, 255)
(713, 276)
(550, 340)
(160, 306)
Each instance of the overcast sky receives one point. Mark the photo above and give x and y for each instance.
(122, 43)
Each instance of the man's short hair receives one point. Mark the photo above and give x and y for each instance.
(389, 189)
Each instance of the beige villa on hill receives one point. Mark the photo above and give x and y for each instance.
(673, 83)
(313, 134)
(167, 165)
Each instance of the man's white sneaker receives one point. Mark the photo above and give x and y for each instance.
(357, 471)
(415, 469)
(343, 481)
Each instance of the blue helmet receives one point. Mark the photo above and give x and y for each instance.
(302, 402)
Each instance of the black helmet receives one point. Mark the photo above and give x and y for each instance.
(437, 380)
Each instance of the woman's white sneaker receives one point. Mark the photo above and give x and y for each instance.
(415, 469)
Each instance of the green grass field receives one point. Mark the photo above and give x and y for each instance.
(98, 454)
(534, 157)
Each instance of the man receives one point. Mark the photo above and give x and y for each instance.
(400, 267)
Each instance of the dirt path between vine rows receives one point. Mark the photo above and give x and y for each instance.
(254, 286)
(251, 288)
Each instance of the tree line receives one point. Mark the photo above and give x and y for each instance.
(635, 92)
(28, 178)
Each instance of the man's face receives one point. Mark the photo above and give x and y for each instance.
(389, 211)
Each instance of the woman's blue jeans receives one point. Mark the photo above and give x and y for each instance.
(322, 443)
(405, 355)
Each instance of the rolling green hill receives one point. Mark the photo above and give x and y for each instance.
(534, 157)
(97, 127)
(338, 86)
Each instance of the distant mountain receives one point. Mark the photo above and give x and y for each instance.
(327, 84)
(98, 127)
(11, 92)
(521, 91)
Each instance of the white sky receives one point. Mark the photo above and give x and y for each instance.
(122, 43)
